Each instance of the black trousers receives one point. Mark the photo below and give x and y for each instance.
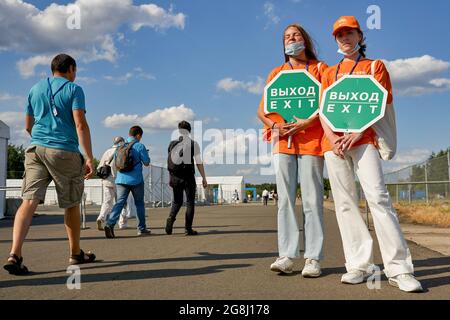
(181, 186)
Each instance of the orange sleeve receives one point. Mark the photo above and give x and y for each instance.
(323, 68)
(325, 80)
(271, 75)
(382, 76)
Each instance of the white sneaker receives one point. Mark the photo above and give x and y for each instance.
(354, 277)
(311, 269)
(283, 265)
(406, 282)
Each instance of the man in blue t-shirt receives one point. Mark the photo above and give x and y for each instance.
(55, 119)
(131, 181)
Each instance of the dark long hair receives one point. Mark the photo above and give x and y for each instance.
(362, 44)
(310, 50)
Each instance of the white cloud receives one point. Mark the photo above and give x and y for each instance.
(27, 67)
(247, 171)
(161, 119)
(238, 143)
(167, 118)
(265, 158)
(9, 100)
(16, 123)
(137, 73)
(229, 85)
(120, 120)
(269, 12)
(418, 75)
(87, 80)
(43, 33)
(404, 159)
(12, 118)
(441, 83)
(120, 79)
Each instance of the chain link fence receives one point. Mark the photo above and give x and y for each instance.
(157, 192)
(427, 182)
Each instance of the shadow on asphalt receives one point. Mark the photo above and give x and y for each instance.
(444, 267)
(202, 256)
(123, 275)
(119, 236)
(49, 219)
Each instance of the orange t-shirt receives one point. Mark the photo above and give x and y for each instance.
(364, 67)
(309, 141)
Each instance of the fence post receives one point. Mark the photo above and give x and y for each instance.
(426, 182)
(367, 215)
(409, 193)
(448, 162)
(396, 191)
(162, 187)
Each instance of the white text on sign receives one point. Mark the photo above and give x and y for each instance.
(346, 108)
(297, 104)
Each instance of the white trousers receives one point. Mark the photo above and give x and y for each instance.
(365, 161)
(109, 199)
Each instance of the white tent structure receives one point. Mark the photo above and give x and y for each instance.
(226, 186)
(4, 137)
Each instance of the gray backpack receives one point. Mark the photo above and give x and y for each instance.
(124, 161)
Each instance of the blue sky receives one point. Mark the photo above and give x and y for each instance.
(208, 60)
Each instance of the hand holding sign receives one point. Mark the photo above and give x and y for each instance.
(298, 126)
(294, 95)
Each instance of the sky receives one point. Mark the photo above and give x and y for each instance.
(154, 63)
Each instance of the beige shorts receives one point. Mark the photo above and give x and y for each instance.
(65, 168)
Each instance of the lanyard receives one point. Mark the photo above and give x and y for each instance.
(52, 96)
(306, 66)
(351, 71)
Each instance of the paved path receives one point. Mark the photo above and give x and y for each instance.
(229, 260)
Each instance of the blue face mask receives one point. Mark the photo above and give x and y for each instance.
(294, 49)
(355, 49)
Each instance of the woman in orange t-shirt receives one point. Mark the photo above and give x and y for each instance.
(357, 153)
(304, 155)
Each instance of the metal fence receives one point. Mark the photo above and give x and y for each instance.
(428, 181)
(157, 191)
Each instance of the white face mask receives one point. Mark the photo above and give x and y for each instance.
(294, 49)
(355, 49)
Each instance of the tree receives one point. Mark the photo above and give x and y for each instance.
(16, 159)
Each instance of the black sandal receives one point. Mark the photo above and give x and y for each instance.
(16, 267)
(81, 258)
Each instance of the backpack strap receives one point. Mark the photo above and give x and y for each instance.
(130, 145)
(372, 67)
(173, 145)
(111, 158)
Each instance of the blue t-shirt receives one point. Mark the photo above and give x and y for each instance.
(140, 156)
(55, 128)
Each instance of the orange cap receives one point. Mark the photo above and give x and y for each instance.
(345, 22)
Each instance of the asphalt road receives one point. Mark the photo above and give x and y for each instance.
(230, 259)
